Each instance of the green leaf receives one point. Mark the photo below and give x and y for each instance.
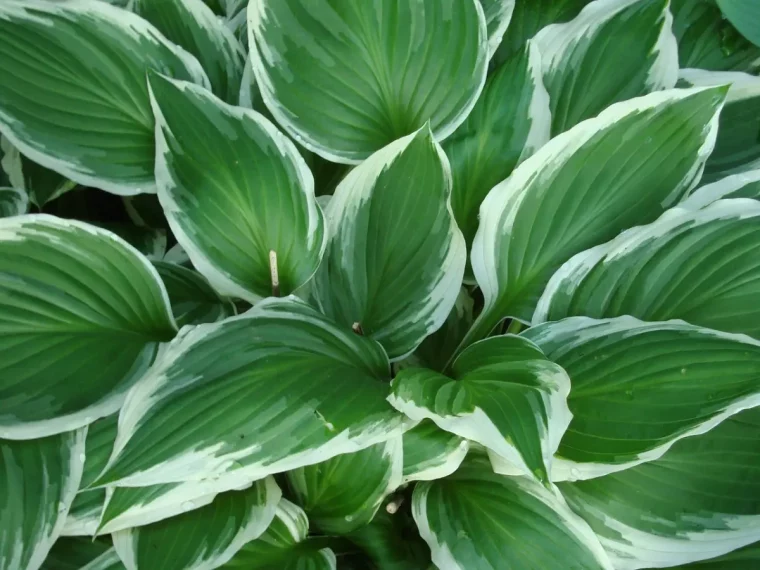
(615, 49)
(620, 169)
(431, 453)
(530, 16)
(42, 185)
(39, 480)
(150, 242)
(347, 79)
(284, 545)
(235, 191)
(227, 385)
(192, 298)
(13, 202)
(745, 185)
(193, 26)
(706, 40)
(746, 558)
(204, 538)
(510, 121)
(86, 117)
(503, 394)
(640, 387)
(478, 520)
(395, 259)
(82, 554)
(737, 148)
(86, 301)
(390, 545)
(700, 500)
(745, 15)
(344, 493)
(702, 266)
(497, 13)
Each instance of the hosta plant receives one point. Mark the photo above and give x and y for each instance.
(379, 284)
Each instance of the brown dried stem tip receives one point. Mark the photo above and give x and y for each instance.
(274, 273)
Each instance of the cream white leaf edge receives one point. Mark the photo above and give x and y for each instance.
(439, 466)
(509, 194)
(503, 16)
(715, 191)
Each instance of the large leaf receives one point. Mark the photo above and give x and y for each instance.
(478, 520)
(392, 543)
(82, 554)
(41, 184)
(747, 558)
(205, 538)
(738, 146)
(497, 13)
(395, 260)
(343, 493)
(274, 389)
(284, 545)
(615, 49)
(82, 314)
(702, 266)
(638, 387)
(192, 25)
(13, 202)
(745, 15)
(509, 123)
(700, 500)
(431, 453)
(86, 117)
(745, 185)
(620, 169)
(706, 40)
(504, 394)
(39, 480)
(348, 78)
(238, 196)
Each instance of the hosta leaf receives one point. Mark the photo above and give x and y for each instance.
(706, 40)
(192, 25)
(509, 123)
(347, 78)
(746, 558)
(478, 520)
(737, 148)
(702, 266)
(343, 493)
(234, 190)
(745, 15)
(13, 202)
(505, 394)
(82, 554)
(41, 184)
(192, 298)
(205, 538)
(745, 185)
(528, 17)
(86, 117)
(639, 387)
(607, 174)
(392, 543)
(431, 453)
(284, 545)
(39, 480)
(497, 13)
(700, 500)
(227, 384)
(82, 314)
(150, 242)
(395, 260)
(615, 49)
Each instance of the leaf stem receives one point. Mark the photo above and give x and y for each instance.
(274, 273)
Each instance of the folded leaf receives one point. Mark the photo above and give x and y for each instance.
(745, 15)
(620, 169)
(698, 501)
(505, 394)
(193, 26)
(224, 388)
(205, 538)
(346, 79)
(737, 148)
(13, 202)
(82, 554)
(745, 185)
(638, 387)
(615, 50)
(478, 520)
(235, 192)
(702, 266)
(395, 260)
(431, 453)
(344, 493)
(497, 13)
(510, 121)
(284, 545)
(82, 314)
(39, 480)
(86, 117)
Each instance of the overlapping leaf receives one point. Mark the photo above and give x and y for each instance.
(82, 554)
(745, 15)
(431, 453)
(13, 202)
(40, 184)
(497, 13)
(745, 185)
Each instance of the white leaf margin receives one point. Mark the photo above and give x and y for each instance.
(706, 195)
